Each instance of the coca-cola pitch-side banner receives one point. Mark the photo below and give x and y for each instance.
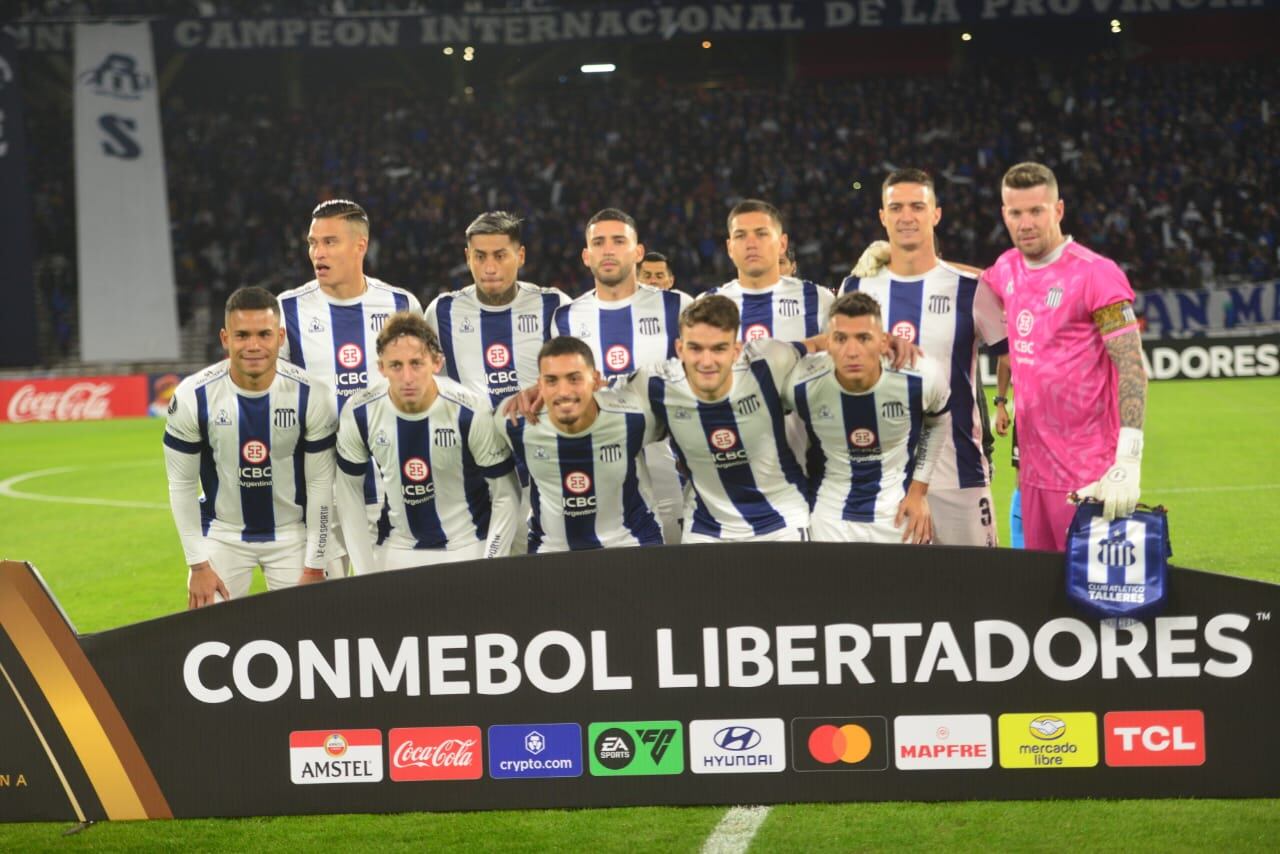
(74, 398)
(715, 674)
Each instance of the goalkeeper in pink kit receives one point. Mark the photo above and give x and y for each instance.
(1077, 366)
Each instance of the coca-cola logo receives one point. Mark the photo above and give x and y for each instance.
(80, 401)
(435, 753)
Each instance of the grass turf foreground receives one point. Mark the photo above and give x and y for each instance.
(1210, 459)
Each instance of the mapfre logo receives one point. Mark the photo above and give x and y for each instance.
(928, 742)
(435, 753)
(1154, 738)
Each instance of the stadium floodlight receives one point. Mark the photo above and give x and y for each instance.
(599, 68)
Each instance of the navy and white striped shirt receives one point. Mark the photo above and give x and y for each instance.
(264, 460)
(789, 310)
(623, 335)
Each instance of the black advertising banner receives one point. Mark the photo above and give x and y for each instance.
(753, 673)
(17, 282)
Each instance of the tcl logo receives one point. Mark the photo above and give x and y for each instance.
(1154, 738)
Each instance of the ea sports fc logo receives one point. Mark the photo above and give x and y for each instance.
(755, 332)
(577, 482)
(335, 745)
(861, 437)
(904, 329)
(1026, 320)
(618, 358)
(254, 452)
(497, 355)
(830, 744)
(723, 438)
(350, 355)
(416, 469)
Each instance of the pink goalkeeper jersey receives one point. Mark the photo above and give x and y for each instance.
(1064, 382)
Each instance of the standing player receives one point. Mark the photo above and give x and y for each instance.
(1077, 363)
(256, 436)
(491, 331)
(448, 476)
(946, 311)
(628, 324)
(876, 429)
(770, 305)
(655, 270)
(721, 402)
(590, 485)
(332, 322)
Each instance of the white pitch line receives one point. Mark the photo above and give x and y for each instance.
(735, 831)
(1244, 487)
(7, 489)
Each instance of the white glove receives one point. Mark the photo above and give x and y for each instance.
(873, 259)
(1118, 489)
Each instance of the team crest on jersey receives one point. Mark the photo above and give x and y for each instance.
(377, 320)
(756, 332)
(416, 469)
(650, 326)
(350, 355)
(316, 326)
(222, 419)
(789, 307)
(610, 453)
(904, 329)
(861, 437)
(465, 326)
(497, 355)
(893, 410)
(577, 482)
(748, 404)
(617, 358)
(1053, 299)
(446, 437)
(284, 418)
(939, 304)
(380, 439)
(528, 323)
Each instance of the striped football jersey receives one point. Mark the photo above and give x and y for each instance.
(789, 310)
(623, 335)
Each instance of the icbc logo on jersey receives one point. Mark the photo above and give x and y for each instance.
(497, 355)
(755, 332)
(416, 469)
(904, 329)
(1154, 738)
(577, 482)
(1026, 320)
(723, 438)
(350, 355)
(254, 452)
(861, 437)
(618, 358)
(435, 753)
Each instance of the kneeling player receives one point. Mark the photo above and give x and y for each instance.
(590, 488)
(256, 436)
(449, 478)
(876, 427)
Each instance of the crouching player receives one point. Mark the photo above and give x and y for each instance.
(877, 429)
(449, 478)
(257, 437)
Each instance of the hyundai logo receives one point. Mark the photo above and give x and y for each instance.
(737, 738)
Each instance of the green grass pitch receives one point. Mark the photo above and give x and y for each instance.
(1211, 458)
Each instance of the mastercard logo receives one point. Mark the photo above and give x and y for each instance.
(830, 744)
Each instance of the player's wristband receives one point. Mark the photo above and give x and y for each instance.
(313, 573)
(999, 400)
(1129, 445)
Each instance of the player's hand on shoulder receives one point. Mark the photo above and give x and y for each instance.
(872, 260)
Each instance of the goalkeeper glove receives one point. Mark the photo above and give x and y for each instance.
(1119, 488)
(873, 259)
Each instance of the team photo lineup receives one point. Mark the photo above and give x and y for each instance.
(351, 431)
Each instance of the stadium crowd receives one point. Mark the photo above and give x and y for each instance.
(1169, 168)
